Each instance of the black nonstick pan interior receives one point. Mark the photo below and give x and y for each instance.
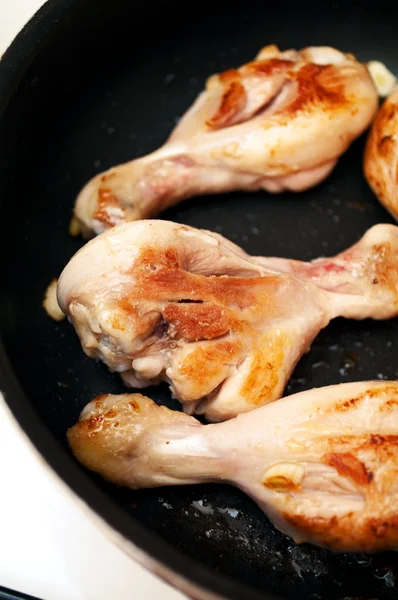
(91, 83)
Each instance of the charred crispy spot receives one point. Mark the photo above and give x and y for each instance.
(385, 146)
(232, 103)
(109, 210)
(110, 414)
(391, 111)
(197, 321)
(349, 466)
(347, 404)
(93, 422)
(376, 440)
(317, 84)
(265, 369)
(134, 405)
(376, 182)
(99, 400)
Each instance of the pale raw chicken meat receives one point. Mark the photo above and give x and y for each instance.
(381, 154)
(322, 464)
(277, 123)
(158, 301)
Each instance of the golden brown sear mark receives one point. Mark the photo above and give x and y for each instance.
(161, 276)
(349, 466)
(232, 102)
(375, 440)
(93, 422)
(131, 309)
(267, 67)
(389, 405)
(317, 84)
(382, 145)
(110, 414)
(371, 393)
(109, 210)
(197, 321)
(135, 406)
(390, 441)
(98, 400)
(385, 120)
(377, 183)
(263, 378)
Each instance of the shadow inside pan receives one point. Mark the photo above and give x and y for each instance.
(109, 87)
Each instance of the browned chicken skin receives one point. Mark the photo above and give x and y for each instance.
(277, 123)
(158, 301)
(381, 155)
(322, 464)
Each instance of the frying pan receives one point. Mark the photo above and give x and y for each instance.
(91, 83)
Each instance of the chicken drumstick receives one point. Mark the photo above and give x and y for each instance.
(278, 123)
(158, 301)
(321, 464)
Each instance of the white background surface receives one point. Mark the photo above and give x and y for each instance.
(48, 548)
